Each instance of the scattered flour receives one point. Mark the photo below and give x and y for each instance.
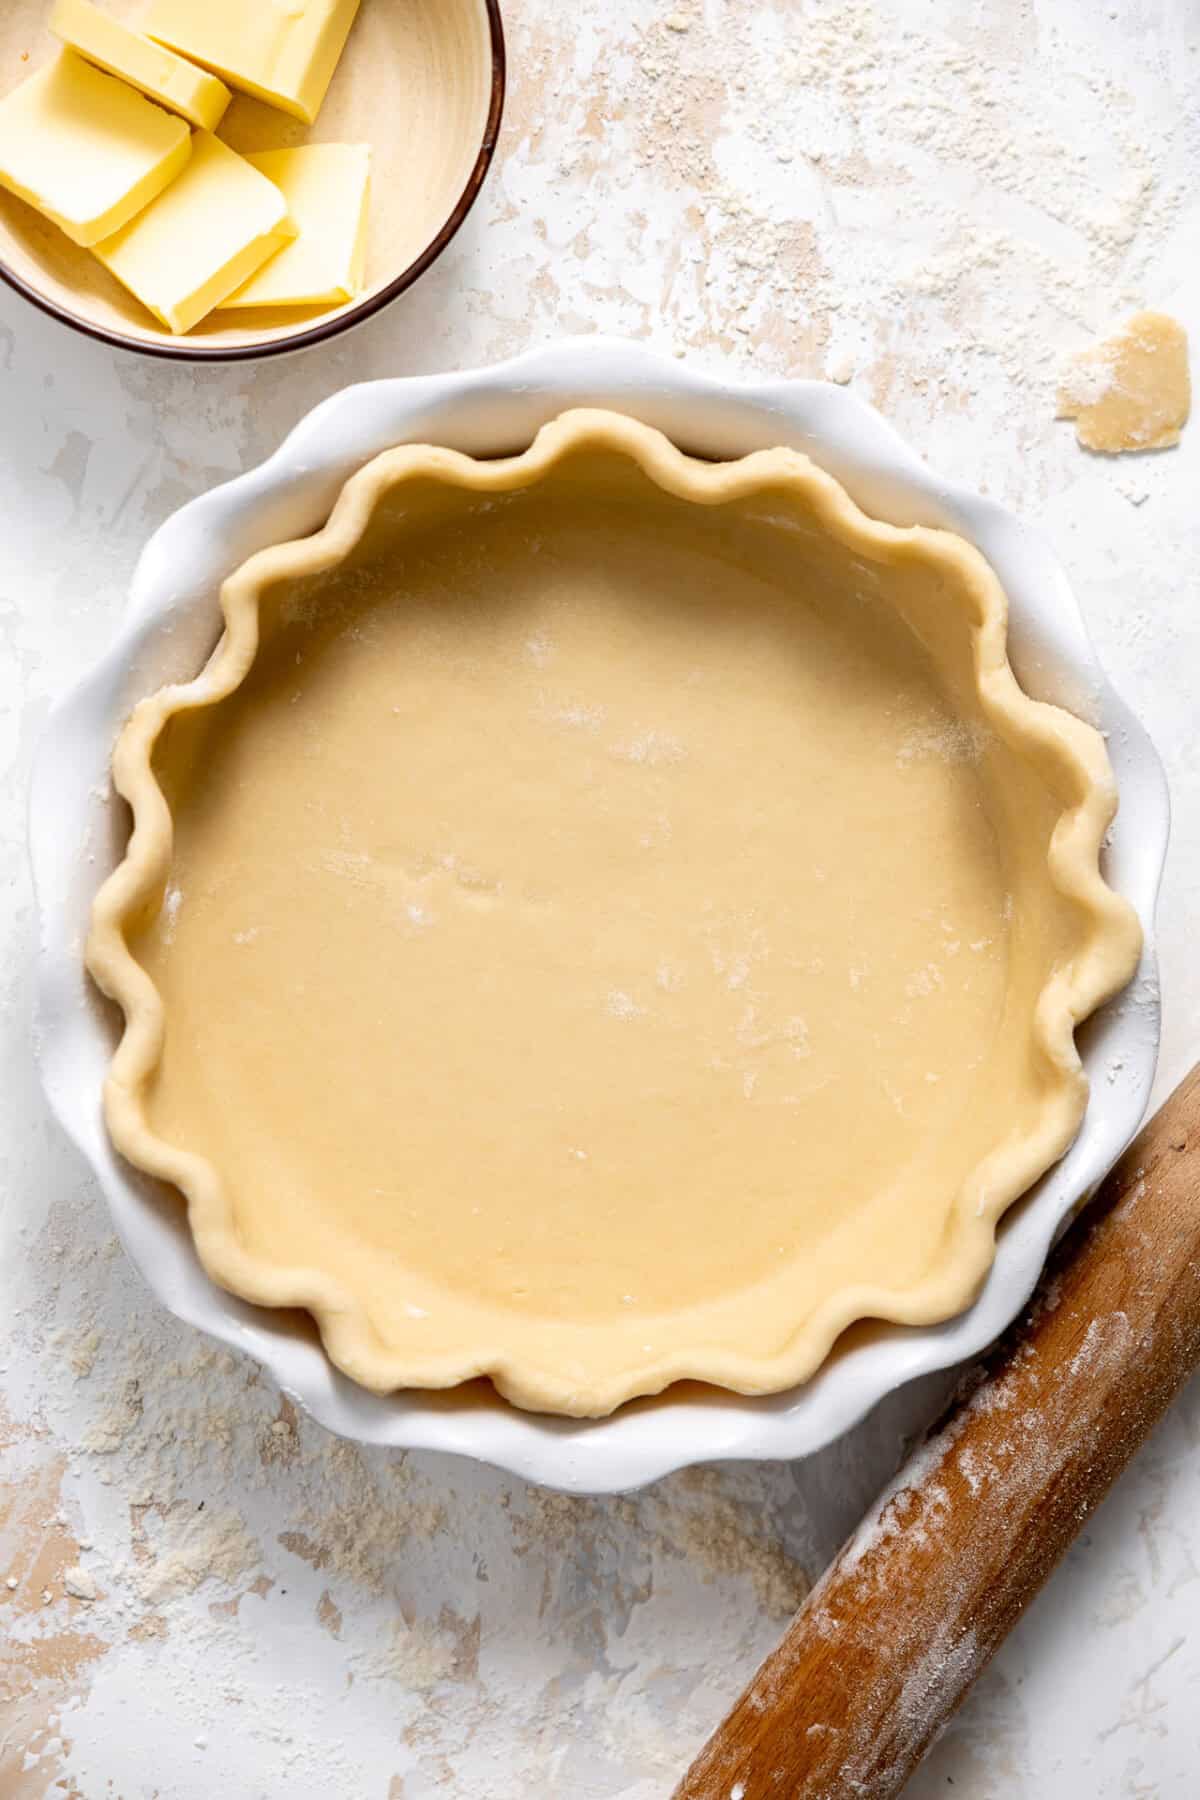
(196, 1546)
(79, 1584)
(948, 740)
(656, 749)
(172, 903)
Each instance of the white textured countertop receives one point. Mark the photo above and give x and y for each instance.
(206, 1595)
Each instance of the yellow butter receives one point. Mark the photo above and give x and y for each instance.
(158, 73)
(202, 238)
(86, 150)
(282, 51)
(325, 186)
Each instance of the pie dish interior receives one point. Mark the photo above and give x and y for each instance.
(601, 918)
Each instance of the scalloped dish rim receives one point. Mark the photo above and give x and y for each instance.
(1103, 960)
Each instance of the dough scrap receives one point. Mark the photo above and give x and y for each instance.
(1132, 391)
(602, 918)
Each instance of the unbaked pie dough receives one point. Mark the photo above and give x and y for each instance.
(601, 918)
(1132, 391)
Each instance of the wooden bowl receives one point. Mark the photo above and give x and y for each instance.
(421, 81)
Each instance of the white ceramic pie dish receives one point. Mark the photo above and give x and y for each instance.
(172, 620)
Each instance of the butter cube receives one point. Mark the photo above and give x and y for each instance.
(85, 149)
(325, 186)
(202, 238)
(159, 74)
(281, 51)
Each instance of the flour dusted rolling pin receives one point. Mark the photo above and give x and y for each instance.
(898, 1628)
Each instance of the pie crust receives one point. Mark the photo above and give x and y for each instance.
(602, 918)
(1131, 391)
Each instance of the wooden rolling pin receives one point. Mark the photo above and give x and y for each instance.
(893, 1635)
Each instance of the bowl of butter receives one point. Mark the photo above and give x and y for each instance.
(212, 181)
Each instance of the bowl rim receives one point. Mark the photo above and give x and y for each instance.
(321, 330)
(168, 627)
